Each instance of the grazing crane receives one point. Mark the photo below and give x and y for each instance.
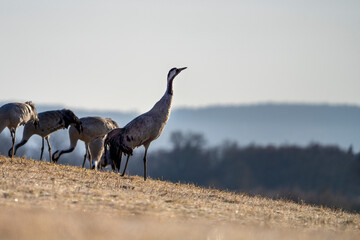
(143, 129)
(12, 115)
(49, 122)
(117, 154)
(98, 154)
(96, 148)
(93, 127)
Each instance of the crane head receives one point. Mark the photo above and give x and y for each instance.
(174, 72)
(71, 119)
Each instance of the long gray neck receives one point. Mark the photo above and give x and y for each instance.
(163, 106)
(170, 87)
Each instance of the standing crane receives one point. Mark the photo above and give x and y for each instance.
(12, 115)
(143, 129)
(93, 127)
(49, 122)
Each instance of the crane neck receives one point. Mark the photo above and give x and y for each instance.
(162, 108)
(169, 89)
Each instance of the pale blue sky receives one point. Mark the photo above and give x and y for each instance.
(115, 55)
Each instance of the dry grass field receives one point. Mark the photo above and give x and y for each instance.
(39, 200)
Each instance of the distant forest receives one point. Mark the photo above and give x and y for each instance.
(314, 174)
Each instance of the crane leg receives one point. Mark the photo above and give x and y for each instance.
(84, 158)
(49, 148)
(42, 148)
(13, 134)
(90, 158)
(23, 141)
(87, 155)
(127, 161)
(145, 164)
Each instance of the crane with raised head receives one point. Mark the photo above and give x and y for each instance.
(142, 130)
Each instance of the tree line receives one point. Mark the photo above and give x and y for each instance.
(315, 174)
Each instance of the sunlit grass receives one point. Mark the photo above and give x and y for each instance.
(55, 196)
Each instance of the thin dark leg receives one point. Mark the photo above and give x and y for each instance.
(16, 147)
(84, 159)
(127, 160)
(86, 153)
(42, 149)
(90, 158)
(13, 132)
(49, 148)
(145, 164)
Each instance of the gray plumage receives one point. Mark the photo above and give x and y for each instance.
(93, 127)
(143, 129)
(12, 115)
(96, 148)
(49, 122)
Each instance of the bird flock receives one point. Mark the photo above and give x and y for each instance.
(105, 142)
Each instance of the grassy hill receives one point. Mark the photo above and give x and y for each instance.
(39, 200)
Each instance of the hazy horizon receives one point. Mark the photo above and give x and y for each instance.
(260, 124)
(115, 55)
